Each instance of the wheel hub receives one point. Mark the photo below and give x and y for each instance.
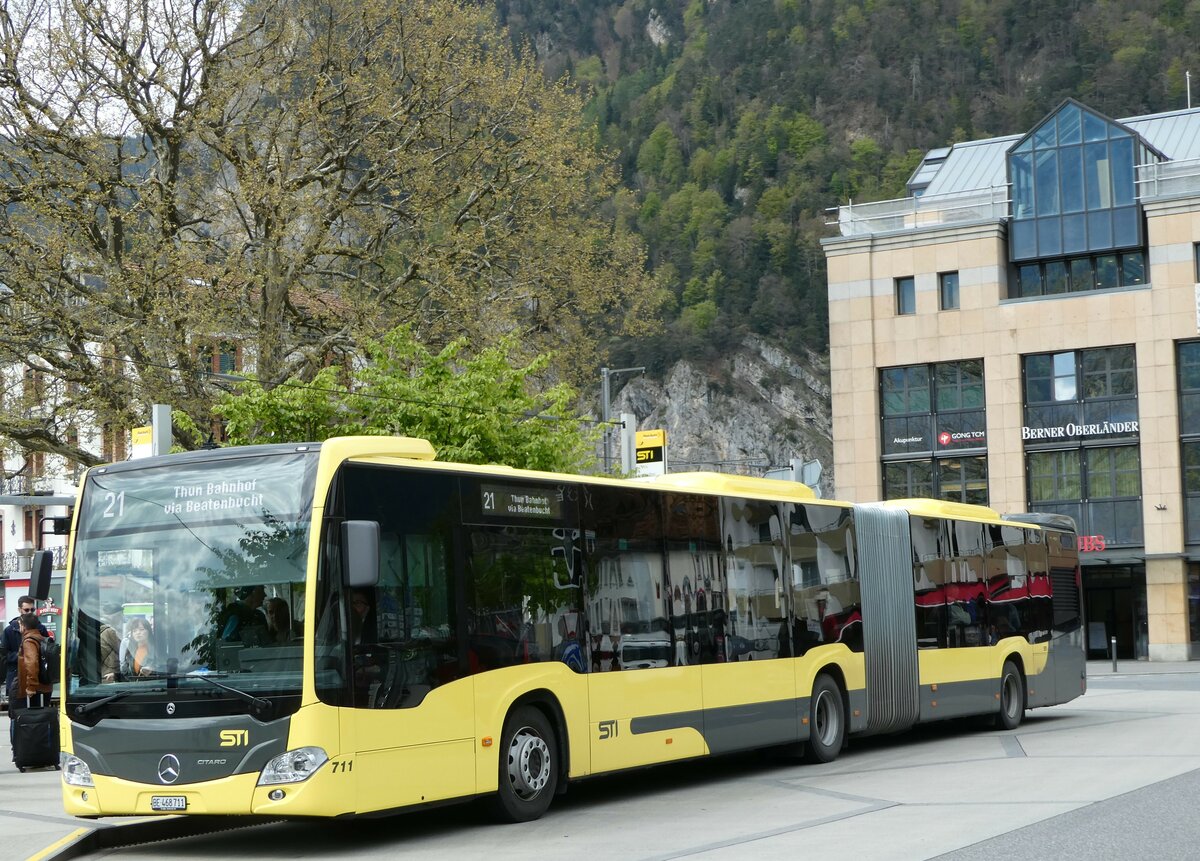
(528, 763)
(826, 719)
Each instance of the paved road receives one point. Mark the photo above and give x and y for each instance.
(1112, 775)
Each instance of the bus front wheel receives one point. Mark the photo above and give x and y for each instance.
(826, 722)
(1012, 697)
(528, 766)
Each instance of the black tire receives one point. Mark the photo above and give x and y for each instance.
(826, 721)
(1012, 698)
(528, 766)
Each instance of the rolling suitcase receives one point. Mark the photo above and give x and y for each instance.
(35, 737)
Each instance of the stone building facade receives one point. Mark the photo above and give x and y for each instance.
(1023, 331)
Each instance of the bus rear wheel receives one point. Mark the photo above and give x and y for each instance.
(1012, 697)
(826, 722)
(528, 766)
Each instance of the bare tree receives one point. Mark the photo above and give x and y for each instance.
(290, 178)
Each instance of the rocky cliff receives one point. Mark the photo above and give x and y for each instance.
(757, 409)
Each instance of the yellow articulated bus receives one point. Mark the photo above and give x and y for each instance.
(353, 627)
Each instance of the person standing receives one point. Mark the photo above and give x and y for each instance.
(31, 690)
(12, 640)
(33, 728)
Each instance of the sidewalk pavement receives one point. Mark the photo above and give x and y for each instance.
(32, 822)
(1140, 668)
(33, 825)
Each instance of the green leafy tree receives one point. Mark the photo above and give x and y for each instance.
(483, 408)
(295, 178)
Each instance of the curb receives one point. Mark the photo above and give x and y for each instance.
(85, 841)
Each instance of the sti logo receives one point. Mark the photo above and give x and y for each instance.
(235, 737)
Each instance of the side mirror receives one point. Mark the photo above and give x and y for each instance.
(360, 553)
(39, 574)
(58, 525)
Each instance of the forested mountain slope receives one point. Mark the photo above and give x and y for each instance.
(739, 122)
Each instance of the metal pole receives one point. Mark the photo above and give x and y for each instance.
(160, 435)
(605, 375)
(628, 441)
(1113, 644)
(604, 411)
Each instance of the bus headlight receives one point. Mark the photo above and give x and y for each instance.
(75, 771)
(293, 766)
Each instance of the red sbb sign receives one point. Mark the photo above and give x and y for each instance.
(1091, 543)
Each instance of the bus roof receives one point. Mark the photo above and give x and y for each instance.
(407, 447)
(731, 485)
(411, 448)
(922, 507)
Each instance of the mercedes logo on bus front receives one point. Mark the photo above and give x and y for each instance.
(168, 768)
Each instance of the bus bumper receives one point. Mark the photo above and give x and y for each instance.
(320, 795)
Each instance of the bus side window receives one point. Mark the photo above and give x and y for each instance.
(628, 596)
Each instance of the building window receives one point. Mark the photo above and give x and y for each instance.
(35, 463)
(1100, 487)
(1109, 373)
(1090, 393)
(905, 390)
(959, 385)
(1191, 490)
(962, 479)
(1054, 477)
(114, 445)
(1196, 254)
(1188, 364)
(1050, 379)
(1080, 407)
(1194, 608)
(1073, 194)
(34, 389)
(908, 479)
(1079, 274)
(934, 431)
(906, 296)
(948, 290)
(222, 358)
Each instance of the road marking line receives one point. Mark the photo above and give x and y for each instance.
(59, 844)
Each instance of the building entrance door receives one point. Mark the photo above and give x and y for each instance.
(1115, 605)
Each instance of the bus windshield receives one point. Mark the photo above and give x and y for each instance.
(187, 586)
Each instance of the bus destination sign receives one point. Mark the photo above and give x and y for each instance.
(524, 502)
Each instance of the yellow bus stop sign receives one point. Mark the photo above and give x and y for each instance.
(650, 452)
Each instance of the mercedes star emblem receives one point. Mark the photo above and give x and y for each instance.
(168, 768)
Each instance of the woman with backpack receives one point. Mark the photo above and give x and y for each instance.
(34, 724)
(29, 683)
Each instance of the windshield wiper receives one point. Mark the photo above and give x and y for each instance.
(261, 704)
(95, 704)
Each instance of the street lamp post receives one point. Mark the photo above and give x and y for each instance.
(605, 375)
